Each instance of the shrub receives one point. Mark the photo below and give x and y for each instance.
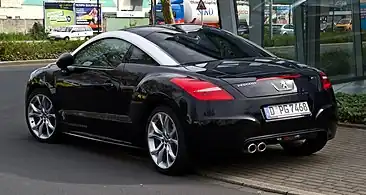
(15, 37)
(335, 62)
(11, 51)
(352, 108)
(37, 31)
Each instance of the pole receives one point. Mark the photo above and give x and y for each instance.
(99, 17)
(202, 17)
(270, 20)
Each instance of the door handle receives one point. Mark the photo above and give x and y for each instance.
(108, 85)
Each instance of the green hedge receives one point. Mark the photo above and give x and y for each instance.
(334, 62)
(11, 51)
(352, 108)
(37, 33)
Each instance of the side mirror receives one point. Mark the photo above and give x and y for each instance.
(65, 60)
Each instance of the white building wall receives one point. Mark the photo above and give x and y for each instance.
(23, 12)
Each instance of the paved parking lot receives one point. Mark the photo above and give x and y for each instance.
(340, 168)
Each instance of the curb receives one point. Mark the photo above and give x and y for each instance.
(26, 62)
(257, 185)
(350, 125)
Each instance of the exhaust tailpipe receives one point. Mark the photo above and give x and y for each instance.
(252, 148)
(261, 147)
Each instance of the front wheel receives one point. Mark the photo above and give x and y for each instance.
(42, 119)
(166, 142)
(305, 147)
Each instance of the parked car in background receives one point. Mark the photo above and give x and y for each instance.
(344, 24)
(73, 32)
(243, 28)
(286, 29)
(282, 29)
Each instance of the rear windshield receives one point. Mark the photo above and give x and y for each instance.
(206, 44)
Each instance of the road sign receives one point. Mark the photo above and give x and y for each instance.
(201, 5)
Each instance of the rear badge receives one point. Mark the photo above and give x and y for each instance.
(246, 84)
(284, 85)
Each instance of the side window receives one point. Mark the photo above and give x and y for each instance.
(105, 53)
(139, 57)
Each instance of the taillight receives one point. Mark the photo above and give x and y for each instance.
(280, 77)
(202, 90)
(325, 81)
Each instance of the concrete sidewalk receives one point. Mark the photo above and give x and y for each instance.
(340, 168)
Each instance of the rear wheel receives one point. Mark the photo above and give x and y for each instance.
(305, 147)
(42, 119)
(67, 38)
(166, 142)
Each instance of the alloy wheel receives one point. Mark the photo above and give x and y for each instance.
(162, 140)
(41, 116)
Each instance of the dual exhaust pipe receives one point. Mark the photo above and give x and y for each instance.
(253, 147)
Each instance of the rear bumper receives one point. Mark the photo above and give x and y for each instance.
(238, 131)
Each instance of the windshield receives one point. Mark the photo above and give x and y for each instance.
(64, 29)
(344, 21)
(206, 44)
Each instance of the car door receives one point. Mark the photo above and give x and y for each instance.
(137, 65)
(74, 34)
(89, 94)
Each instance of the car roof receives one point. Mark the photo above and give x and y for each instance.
(172, 28)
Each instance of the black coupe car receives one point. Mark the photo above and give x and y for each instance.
(174, 89)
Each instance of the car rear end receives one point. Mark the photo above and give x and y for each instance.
(269, 104)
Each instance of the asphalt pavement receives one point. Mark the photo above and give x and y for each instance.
(78, 167)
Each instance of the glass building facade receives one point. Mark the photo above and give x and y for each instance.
(327, 34)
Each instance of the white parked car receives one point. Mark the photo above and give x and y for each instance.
(71, 32)
(283, 29)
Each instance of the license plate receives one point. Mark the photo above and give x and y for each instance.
(287, 110)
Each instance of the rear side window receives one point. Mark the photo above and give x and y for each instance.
(137, 56)
(205, 45)
(180, 52)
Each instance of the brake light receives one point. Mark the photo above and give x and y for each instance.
(325, 81)
(202, 90)
(280, 77)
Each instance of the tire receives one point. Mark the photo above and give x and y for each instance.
(87, 38)
(67, 38)
(306, 148)
(48, 115)
(181, 163)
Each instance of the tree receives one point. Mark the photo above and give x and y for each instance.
(167, 12)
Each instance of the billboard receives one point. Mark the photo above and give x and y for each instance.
(363, 14)
(58, 14)
(87, 14)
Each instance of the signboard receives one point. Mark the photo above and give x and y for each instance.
(363, 14)
(201, 5)
(58, 14)
(87, 14)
